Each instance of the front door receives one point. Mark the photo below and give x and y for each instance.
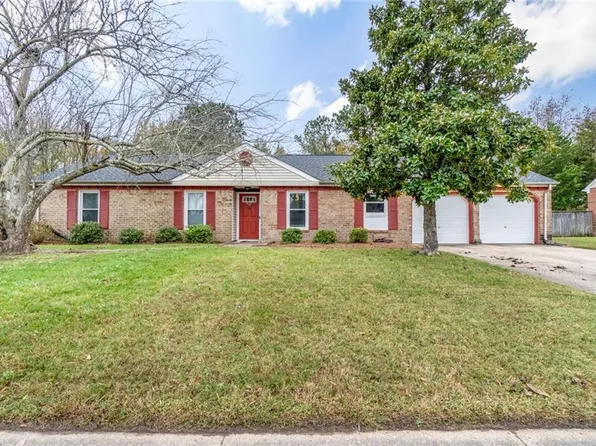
(249, 217)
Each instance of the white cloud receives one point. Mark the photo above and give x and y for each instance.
(334, 107)
(565, 34)
(518, 102)
(303, 97)
(275, 10)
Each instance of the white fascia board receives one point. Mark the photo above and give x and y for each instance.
(590, 186)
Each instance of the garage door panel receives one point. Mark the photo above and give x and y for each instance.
(452, 221)
(504, 222)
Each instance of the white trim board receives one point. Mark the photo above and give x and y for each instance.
(590, 186)
(186, 206)
(80, 204)
(237, 235)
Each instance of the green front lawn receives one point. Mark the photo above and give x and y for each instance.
(60, 247)
(577, 242)
(215, 337)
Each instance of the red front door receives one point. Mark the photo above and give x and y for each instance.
(249, 217)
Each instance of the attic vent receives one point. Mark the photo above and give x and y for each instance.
(245, 158)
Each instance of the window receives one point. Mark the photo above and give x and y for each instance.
(297, 206)
(89, 206)
(375, 207)
(375, 214)
(195, 209)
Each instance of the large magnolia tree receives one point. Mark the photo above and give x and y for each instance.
(429, 116)
(90, 84)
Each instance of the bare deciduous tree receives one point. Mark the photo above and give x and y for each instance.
(86, 85)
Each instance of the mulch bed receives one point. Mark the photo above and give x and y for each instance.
(393, 245)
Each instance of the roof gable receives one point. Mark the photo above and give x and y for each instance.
(260, 170)
(590, 186)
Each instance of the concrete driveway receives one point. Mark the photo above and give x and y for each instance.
(570, 266)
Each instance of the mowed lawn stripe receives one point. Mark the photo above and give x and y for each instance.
(214, 338)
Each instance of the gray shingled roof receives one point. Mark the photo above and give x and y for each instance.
(121, 176)
(115, 175)
(314, 165)
(536, 178)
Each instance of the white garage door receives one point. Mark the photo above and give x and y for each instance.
(504, 222)
(452, 221)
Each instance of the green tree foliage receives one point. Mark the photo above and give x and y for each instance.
(571, 158)
(429, 116)
(207, 128)
(568, 162)
(586, 143)
(269, 147)
(325, 135)
(218, 124)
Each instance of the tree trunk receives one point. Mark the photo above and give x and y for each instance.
(14, 239)
(431, 239)
(15, 221)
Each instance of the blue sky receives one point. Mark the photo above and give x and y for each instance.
(299, 49)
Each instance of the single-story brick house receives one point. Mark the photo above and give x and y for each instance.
(258, 196)
(591, 191)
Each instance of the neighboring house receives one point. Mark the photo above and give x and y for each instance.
(591, 191)
(256, 196)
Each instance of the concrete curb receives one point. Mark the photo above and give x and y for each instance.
(527, 437)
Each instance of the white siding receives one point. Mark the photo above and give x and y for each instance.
(262, 172)
(235, 217)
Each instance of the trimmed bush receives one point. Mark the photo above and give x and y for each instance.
(168, 235)
(326, 236)
(358, 235)
(40, 232)
(85, 233)
(291, 235)
(199, 234)
(130, 236)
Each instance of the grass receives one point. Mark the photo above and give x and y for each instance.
(577, 242)
(207, 337)
(106, 246)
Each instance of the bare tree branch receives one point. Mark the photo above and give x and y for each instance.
(91, 84)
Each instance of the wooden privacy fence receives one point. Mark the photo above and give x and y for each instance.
(570, 224)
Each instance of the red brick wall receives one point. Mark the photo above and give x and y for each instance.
(336, 211)
(592, 205)
(152, 208)
(147, 209)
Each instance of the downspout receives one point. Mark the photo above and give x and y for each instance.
(546, 213)
(38, 210)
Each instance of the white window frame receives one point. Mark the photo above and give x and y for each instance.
(80, 204)
(186, 193)
(377, 215)
(306, 208)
